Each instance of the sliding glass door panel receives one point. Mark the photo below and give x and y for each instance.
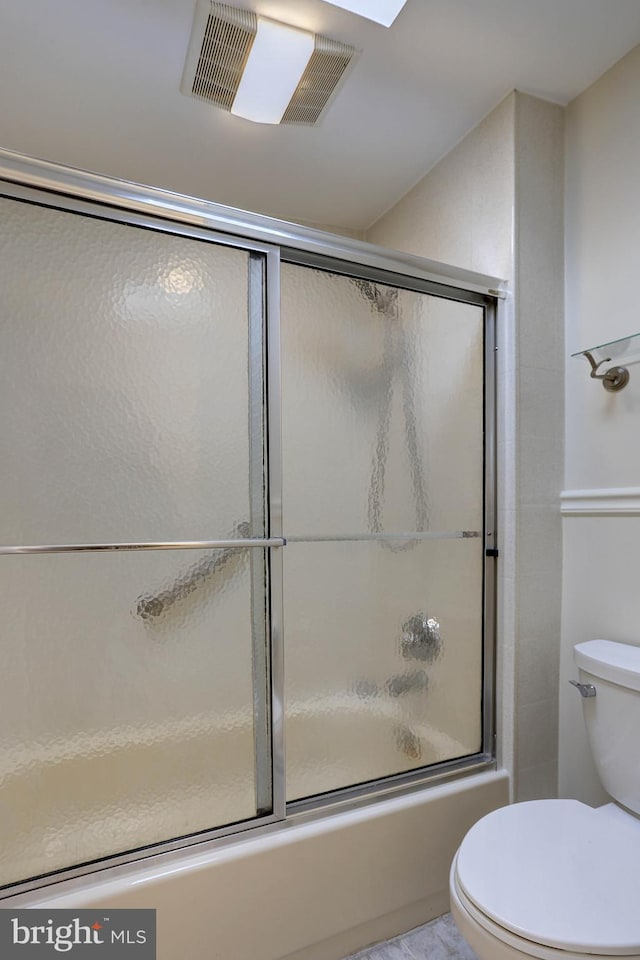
(383, 434)
(120, 729)
(384, 664)
(136, 702)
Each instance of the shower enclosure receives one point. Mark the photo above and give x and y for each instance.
(247, 523)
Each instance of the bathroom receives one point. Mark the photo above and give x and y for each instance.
(538, 191)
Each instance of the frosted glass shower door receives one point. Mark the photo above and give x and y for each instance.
(134, 704)
(383, 492)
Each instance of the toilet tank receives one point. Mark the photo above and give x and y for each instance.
(613, 715)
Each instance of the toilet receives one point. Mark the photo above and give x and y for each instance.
(557, 879)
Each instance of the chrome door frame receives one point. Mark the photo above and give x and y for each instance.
(69, 183)
(64, 188)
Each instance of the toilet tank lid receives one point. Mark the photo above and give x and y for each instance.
(610, 660)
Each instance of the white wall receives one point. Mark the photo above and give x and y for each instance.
(601, 548)
(602, 243)
(494, 204)
(461, 212)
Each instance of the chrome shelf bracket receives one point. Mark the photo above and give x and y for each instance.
(614, 379)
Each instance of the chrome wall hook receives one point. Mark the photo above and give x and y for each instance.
(614, 379)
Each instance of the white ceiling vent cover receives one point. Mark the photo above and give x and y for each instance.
(220, 43)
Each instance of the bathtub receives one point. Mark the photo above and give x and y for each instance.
(310, 889)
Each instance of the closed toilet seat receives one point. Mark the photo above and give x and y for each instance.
(552, 878)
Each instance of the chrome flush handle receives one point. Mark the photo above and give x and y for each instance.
(586, 689)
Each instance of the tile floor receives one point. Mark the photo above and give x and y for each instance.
(438, 940)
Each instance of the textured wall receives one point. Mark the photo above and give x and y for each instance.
(462, 211)
(494, 204)
(539, 283)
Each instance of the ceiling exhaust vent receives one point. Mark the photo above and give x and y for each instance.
(221, 40)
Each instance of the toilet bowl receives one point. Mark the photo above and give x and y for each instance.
(557, 879)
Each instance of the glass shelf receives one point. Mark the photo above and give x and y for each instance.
(625, 349)
(613, 358)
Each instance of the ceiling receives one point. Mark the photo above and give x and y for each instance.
(95, 84)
